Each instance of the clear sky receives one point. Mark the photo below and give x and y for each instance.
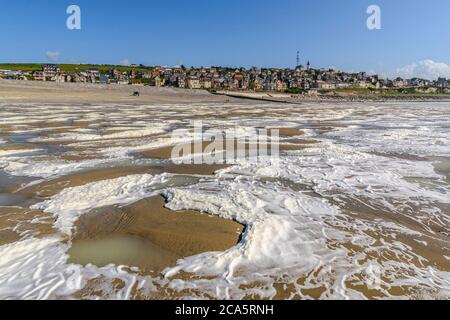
(231, 33)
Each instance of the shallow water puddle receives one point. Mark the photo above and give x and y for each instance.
(9, 183)
(121, 250)
(442, 165)
(9, 200)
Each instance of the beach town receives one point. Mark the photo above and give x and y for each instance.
(303, 79)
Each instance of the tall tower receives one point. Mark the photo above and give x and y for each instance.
(308, 66)
(298, 58)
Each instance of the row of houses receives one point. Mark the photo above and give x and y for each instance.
(256, 79)
(273, 79)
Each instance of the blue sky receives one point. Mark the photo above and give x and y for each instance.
(231, 33)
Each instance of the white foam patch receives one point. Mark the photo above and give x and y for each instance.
(31, 269)
(282, 230)
(135, 133)
(420, 141)
(344, 175)
(50, 169)
(38, 130)
(18, 120)
(18, 152)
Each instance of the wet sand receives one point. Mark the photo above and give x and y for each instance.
(288, 132)
(148, 236)
(17, 223)
(165, 153)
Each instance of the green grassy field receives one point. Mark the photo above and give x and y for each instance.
(71, 67)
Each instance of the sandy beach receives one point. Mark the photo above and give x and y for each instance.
(50, 92)
(355, 205)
